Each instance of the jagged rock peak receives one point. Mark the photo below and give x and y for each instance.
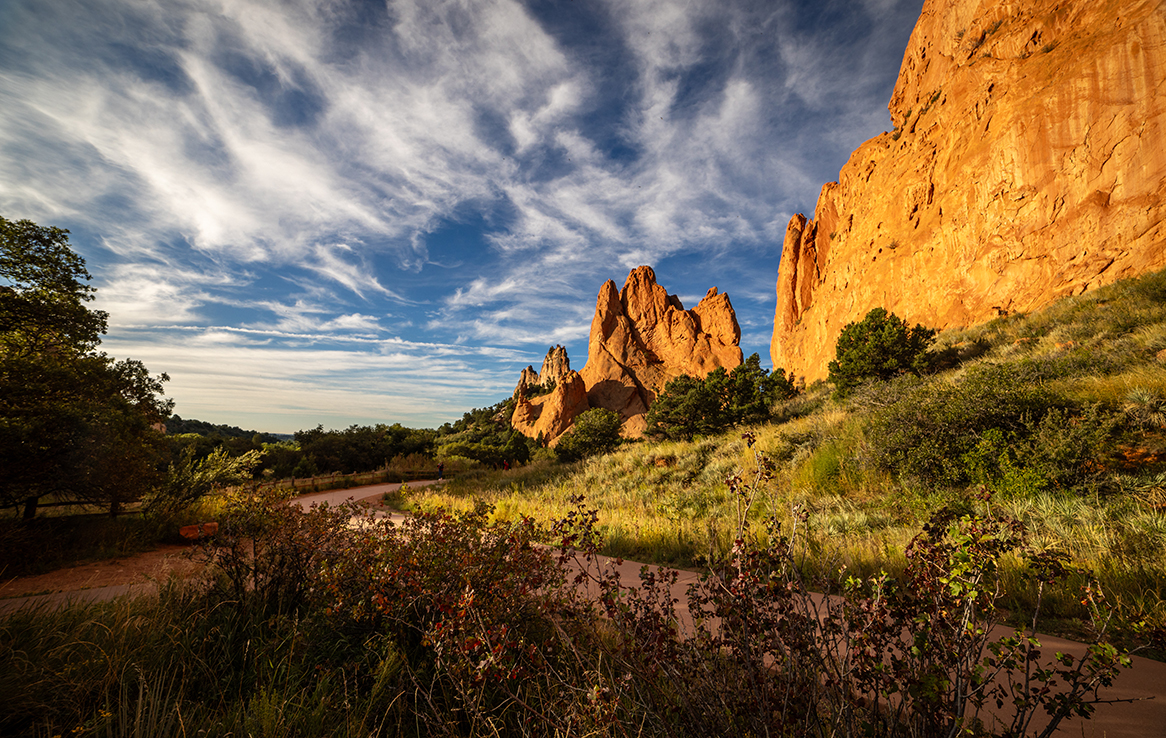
(1026, 164)
(528, 378)
(555, 365)
(641, 337)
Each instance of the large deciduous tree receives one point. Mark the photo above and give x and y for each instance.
(73, 421)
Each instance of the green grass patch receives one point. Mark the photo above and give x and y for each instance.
(1061, 414)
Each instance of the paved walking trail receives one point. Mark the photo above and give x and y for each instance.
(1145, 683)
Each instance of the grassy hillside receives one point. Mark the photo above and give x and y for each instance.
(1057, 419)
(305, 624)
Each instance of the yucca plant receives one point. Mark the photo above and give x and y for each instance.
(1145, 408)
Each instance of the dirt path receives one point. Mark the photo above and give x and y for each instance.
(368, 493)
(136, 568)
(134, 573)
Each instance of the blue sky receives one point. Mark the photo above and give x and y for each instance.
(341, 212)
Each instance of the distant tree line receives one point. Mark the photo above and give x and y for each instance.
(359, 448)
(482, 436)
(177, 425)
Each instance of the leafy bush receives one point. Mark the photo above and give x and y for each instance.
(880, 347)
(594, 432)
(189, 480)
(479, 452)
(985, 426)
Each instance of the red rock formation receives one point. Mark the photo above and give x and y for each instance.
(528, 378)
(555, 365)
(551, 414)
(641, 337)
(1028, 162)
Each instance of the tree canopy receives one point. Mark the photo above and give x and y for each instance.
(73, 421)
(690, 407)
(361, 448)
(880, 347)
(43, 293)
(594, 432)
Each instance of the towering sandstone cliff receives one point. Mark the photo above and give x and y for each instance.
(641, 337)
(1028, 162)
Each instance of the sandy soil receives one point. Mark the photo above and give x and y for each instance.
(137, 568)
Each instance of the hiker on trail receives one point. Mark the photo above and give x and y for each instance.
(441, 470)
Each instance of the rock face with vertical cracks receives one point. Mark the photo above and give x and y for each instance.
(641, 337)
(555, 365)
(1028, 162)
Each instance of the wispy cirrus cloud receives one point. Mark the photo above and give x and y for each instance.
(431, 171)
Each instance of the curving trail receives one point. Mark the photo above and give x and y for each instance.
(356, 494)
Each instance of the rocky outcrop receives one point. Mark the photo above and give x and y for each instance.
(555, 365)
(528, 378)
(641, 337)
(551, 414)
(1027, 163)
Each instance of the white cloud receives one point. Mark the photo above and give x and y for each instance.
(141, 293)
(238, 375)
(258, 162)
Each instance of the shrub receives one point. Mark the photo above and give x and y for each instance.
(880, 347)
(190, 480)
(481, 452)
(1145, 409)
(1067, 446)
(691, 407)
(594, 432)
(988, 427)
(925, 433)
